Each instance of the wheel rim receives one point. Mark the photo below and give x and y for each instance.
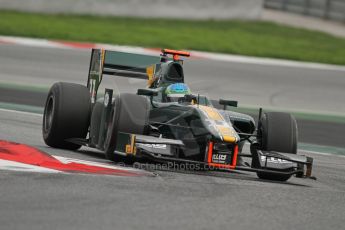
(48, 115)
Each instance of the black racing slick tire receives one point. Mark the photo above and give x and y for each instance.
(129, 115)
(279, 133)
(66, 115)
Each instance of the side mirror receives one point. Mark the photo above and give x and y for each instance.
(228, 102)
(147, 92)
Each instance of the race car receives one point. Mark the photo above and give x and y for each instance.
(166, 122)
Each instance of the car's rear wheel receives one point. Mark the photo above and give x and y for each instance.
(278, 132)
(66, 115)
(129, 115)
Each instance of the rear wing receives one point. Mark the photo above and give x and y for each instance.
(105, 62)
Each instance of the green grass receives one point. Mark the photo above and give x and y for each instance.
(263, 39)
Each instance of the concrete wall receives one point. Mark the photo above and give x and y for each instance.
(193, 9)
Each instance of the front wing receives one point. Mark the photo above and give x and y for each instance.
(166, 150)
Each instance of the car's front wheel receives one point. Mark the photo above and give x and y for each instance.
(278, 132)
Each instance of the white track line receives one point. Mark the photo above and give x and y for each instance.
(34, 42)
(21, 167)
(204, 55)
(21, 112)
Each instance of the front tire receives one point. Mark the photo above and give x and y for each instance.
(279, 133)
(66, 115)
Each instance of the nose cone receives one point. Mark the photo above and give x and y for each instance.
(229, 139)
(228, 133)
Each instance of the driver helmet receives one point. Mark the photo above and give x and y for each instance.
(176, 92)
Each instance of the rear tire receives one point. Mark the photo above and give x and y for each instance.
(279, 133)
(130, 115)
(66, 115)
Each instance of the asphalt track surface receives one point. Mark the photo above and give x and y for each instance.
(309, 131)
(275, 87)
(259, 85)
(171, 199)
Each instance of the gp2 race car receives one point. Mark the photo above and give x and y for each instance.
(167, 122)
